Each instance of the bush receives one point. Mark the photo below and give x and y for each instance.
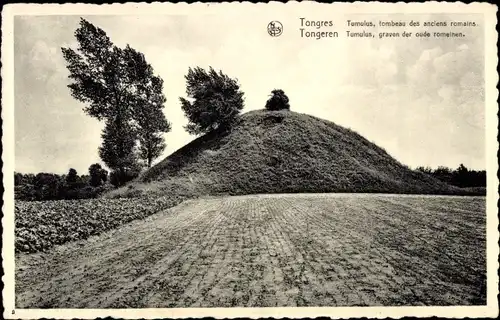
(278, 101)
(90, 192)
(98, 175)
(118, 178)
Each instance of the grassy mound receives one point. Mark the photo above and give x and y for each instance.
(282, 152)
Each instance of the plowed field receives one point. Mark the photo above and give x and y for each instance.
(272, 250)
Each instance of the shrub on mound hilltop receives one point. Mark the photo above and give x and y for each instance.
(278, 101)
(217, 101)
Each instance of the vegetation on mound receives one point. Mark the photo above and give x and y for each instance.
(285, 152)
(42, 225)
(217, 101)
(277, 101)
(271, 151)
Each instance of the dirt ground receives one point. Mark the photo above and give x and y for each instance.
(273, 250)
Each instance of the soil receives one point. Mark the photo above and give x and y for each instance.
(273, 250)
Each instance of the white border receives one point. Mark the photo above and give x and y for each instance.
(491, 93)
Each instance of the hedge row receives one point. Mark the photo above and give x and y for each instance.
(42, 224)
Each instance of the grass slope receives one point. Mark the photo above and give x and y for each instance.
(282, 152)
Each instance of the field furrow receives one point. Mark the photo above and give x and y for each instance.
(272, 250)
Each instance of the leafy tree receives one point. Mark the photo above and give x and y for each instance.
(216, 100)
(100, 79)
(29, 178)
(118, 148)
(98, 175)
(460, 177)
(72, 177)
(70, 185)
(278, 101)
(443, 173)
(462, 169)
(98, 73)
(47, 186)
(118, 87)
(22, 179)
(151, 142)
(18, 179)
(25, 192)
(427, 170)
(441, 170)
(149, 118)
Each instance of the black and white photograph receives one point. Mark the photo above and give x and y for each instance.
(250, 160)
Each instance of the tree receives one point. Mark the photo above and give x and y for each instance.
(427, 170)
(118, 148)
(217, 101)
(70, 185)
(277, 101)
(22, 179)
(24, 188)
(47, 186)
(18, 179)
(119, 88)
(442, 170)
(149, 118)
(462, 170)
(98, 73)
(461, 176)
(72, 177)
(25, 192)
(98, 175)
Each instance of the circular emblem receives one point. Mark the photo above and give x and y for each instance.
(275, 28)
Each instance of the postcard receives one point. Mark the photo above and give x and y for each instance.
(299, 159)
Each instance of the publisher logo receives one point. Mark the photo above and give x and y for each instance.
(275, 28)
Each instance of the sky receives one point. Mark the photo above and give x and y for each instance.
(422, 100)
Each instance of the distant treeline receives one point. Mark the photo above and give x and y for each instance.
(460, 177)
(51, 186)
